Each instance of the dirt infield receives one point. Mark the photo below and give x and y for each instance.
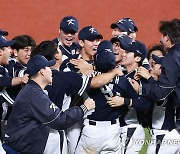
(40, 18)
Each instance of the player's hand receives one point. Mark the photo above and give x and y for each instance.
(118, 72)
(143, 72)
(83, 66)
(89, 103)
(25, 78)
(115, 101)
(134, 84)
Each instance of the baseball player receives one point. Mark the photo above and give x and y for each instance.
(66, 40)
(5, 79)
(162, 117)
(33, 112)
(61, 91)
(133, 117)
(89, 39)
(101, 131)
(124, 26)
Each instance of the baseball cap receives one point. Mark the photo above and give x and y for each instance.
(133, 23)
(3, 33)
(124, 40)
(104, 59)
(69, 23)
(124, 24)
(136, 47)
(157, 59)
(38, 62)
(5, 43)
(89, 33)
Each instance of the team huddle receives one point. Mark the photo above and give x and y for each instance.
(93, 96)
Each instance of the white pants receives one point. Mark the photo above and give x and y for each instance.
(73, 134)
(131, 135)
(53, 145)
(101, 138)
(170, 142)
(1, 149)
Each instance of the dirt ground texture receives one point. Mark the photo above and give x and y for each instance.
(40, 18)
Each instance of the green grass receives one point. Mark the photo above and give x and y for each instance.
(147, 137)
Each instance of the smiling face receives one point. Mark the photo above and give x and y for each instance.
(157, 53)
(67, 38)
(118, 51)
(23, 55)
(4, 55)
(116, 32)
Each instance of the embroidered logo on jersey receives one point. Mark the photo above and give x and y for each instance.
(70, 21)
(53, 106)
(92, 30)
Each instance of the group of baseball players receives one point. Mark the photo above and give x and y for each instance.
(93, 96)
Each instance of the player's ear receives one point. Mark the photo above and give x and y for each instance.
(15, 52)
(137, 59)
(81, 43)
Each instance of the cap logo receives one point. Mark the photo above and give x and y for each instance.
(92, 30)
(138, 51)
(70, 21)
(3, 37)
(108, 50)
(121, 21)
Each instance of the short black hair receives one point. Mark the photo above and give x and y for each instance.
(156, 47)
(172, 29)
(46, 48)
(23, 41)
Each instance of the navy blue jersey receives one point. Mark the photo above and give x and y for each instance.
(103, 111)
(32, 115)
(136, 113)
(64, 85)
(168, 82)
(67, 51)
(15, 69)
(162, 113)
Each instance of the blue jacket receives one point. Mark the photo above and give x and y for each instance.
(32, 115)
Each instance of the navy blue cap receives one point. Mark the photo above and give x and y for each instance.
(104, 59)
(133, 23)
(124, 25)
(38, 62)
(69, 23)
(4, 33)
(89, 33)
(5, 43)
(124, 40)
(157, 59)
(138, 48)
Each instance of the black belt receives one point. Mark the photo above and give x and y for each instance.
(94, 122)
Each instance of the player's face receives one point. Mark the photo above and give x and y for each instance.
(47, 75)
(118, 51)
(133, 36)
(89, 48)
(23, 55)
(116, 32)
(128, 58)
(164, 40)
(156, 69)
(4, 55)
(157, 53)
(67, 38)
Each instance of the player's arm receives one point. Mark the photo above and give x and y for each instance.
(141, 104)
(105, 78)
(49, 114)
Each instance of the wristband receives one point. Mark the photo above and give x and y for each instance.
(127, 101)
